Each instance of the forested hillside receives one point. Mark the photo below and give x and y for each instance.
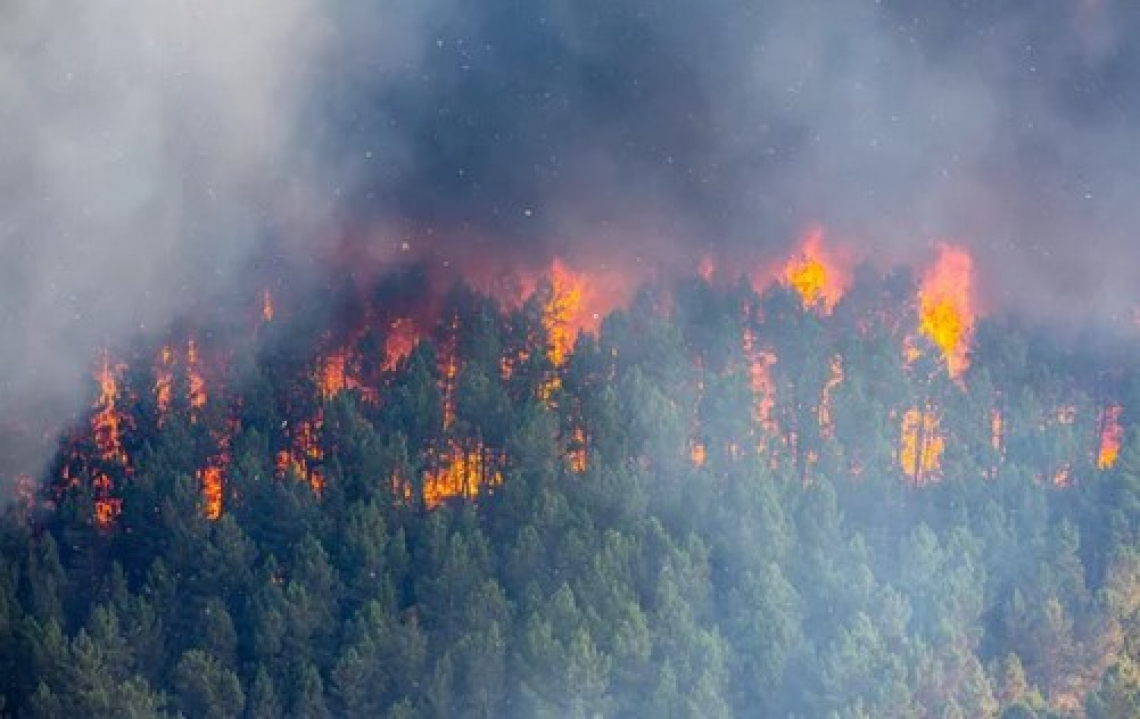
(714, 500)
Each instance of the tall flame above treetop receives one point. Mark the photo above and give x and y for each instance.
(946, 306)
(816, 273)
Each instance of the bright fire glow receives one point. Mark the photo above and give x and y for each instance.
(303, 457)
(107, 429)
(921, 446)
(816, 274)
(211, 477)
(461, 473)
(946, 311)
(1111, 437)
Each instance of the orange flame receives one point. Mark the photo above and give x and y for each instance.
(760, 362)
(826, 418)
(1111, 437)
(211, 477)
(302, 457)
(461, 473)
(107, 422)
(698, 453)
(946, 312)
(922, 444)
(164, 382)
(194, 371)
(107, 429)
(816, 274)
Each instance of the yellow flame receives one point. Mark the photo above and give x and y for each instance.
(920, 453)
(946, 314)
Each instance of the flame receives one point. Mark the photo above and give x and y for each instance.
(760, 362)
(576, 456)
(698, 453)
(563, 316)
(267, 311)
(946, 312)
(194, 372)
(211, 477)
(107, 421)
(164, 382)
(303, 456)
(922, 444)
(1063, 477)
(402, 338)
(461, 473)
(997, 429)
(816, 274)
(336, 374)
(107, 508)
(826, 418)
(1111, 437)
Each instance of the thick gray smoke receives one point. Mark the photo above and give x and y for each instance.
(143, 147)
(669, 127)
(148, 150)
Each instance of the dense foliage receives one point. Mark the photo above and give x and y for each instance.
(793, 568)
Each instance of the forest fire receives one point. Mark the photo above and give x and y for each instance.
(834, 379)
(303, 458)
(1110, 435)
(946, 311)
(921, 445)
(561, 305)
(107, 424)
(107, 421)
(461, 473)
(816, 273)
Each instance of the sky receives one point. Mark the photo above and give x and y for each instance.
(154, 153)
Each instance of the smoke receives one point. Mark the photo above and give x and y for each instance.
(151, 152)
(145, 145)
(662, 130)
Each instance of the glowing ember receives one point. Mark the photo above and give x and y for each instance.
(826, 418)
(576, 451)
(1111, 437)
(194, 372)
(816, 274)
(266, 306)
(946, 313)
(760, 362)
(920, 453)
(697, 453)
(164, 382)
(997, 428)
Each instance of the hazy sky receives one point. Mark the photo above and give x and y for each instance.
(150, 150)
